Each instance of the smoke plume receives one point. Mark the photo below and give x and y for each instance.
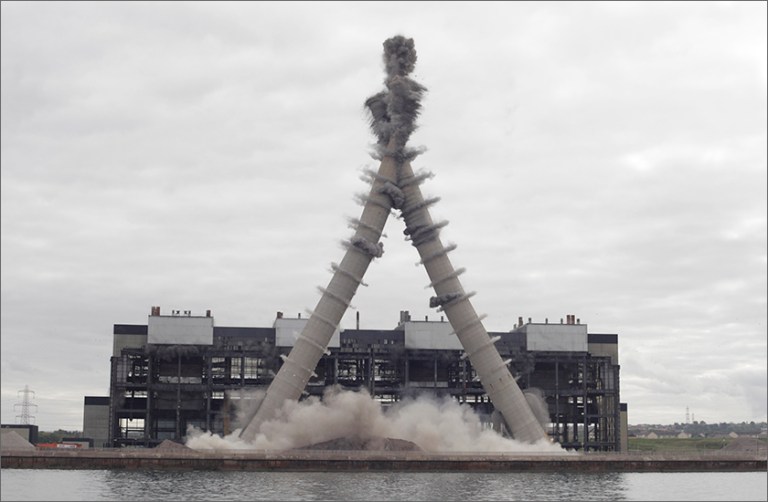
(394, 112)
(434, 424)
(399, 56)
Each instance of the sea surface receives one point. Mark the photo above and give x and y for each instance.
(86, 485)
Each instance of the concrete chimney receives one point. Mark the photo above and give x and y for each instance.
(292, 377)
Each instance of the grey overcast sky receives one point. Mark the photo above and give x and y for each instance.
(606, 160)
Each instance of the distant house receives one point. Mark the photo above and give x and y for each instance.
(732, 435)
(683, 435)
(652, 435)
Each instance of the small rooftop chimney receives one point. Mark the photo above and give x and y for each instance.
(279, 315)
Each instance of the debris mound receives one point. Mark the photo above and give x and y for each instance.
(171, 445)
(365, 444)
(12, 441)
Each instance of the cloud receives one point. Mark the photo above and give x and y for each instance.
(606, 160)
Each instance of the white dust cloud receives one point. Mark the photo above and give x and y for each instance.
(434, 424)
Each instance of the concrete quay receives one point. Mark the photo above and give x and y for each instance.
(361, 461)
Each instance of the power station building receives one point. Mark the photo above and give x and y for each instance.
(182, 370)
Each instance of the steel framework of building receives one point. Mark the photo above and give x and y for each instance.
(158, 390)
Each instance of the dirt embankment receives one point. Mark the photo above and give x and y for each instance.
(748, 445)
(364, 444)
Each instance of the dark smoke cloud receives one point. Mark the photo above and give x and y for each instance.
(399, 55)
(394, 112)
(380, 121)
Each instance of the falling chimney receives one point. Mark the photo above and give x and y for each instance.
(393, 115)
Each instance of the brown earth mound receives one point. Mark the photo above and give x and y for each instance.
(171, 445)
(752, 445)
(368, 444)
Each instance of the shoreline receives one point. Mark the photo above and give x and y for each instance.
(373, 461)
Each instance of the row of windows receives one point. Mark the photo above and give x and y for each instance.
(236, 367)
(138, 394)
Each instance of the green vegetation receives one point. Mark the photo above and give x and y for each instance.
(680, 445)
(56, 436)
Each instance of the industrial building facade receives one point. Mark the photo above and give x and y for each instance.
(181, 370)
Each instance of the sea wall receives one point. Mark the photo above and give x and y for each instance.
(352, 461)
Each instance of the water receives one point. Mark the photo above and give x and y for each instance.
(43, 484)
